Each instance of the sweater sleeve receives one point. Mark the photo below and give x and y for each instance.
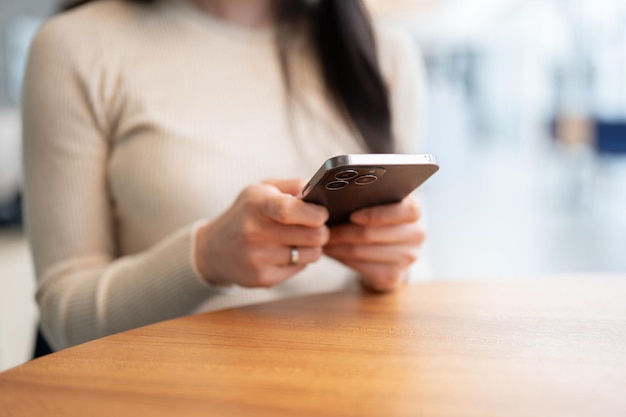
(85, 289)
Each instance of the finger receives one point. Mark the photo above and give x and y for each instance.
(411, 233)
(406, 211)
(295, 235)
(279, 256)
(382, 286)
(304, 256)
(401, 255)
(288, 186)
(379, 277)
(287, 209)
(272, 266)
(272, 276)
(268, 231)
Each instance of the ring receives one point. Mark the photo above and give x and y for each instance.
(294, 255)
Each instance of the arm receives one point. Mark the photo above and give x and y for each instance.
(84, 290)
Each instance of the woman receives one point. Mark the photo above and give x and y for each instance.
(149, 127)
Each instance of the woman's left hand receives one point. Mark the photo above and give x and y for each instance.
(380, 243)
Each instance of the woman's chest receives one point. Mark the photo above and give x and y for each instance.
(188, 138)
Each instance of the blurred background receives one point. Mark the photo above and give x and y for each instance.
(526, 114)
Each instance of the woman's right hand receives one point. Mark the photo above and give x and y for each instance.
(250, 244)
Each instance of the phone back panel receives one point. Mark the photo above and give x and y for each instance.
(347, 188)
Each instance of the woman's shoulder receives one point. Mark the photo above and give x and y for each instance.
(404, 71)
(392, 36)
(85, 24)
(396, 48)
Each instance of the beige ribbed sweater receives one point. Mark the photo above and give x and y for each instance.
(140, 121)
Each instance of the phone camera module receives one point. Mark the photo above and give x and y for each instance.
(336, 185)
(347, 174)
(365, 179)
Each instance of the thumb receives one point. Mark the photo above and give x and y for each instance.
(292, 186)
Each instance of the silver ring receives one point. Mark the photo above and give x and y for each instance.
(294, 255)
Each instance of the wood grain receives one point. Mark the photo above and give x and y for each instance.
(526, 348)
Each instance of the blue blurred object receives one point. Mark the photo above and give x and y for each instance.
(19, 34)
(11, 212)
(610, 137)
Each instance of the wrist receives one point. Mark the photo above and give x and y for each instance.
(201, 266)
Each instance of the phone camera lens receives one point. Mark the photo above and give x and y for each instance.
(348, 174)
(365, 179)
(336, 185)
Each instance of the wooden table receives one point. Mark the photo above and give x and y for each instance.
(524, 348)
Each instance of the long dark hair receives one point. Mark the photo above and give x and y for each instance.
(343, 41)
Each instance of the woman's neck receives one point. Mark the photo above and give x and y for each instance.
(248, 13)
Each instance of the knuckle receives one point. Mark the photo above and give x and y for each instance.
(323, 215)
(246, 192)
(249, 193)
(352, 252)
(317, 236)
(251, 198)
(325, 234)
(368, 234)
(410, 257)
(316, 253)
(421, 236)
(250, 232)
(414, 212)
(282, 211)
(418, 235)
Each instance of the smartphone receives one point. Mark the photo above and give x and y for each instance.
(347, 183)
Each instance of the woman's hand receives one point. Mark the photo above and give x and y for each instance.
(380, 243)
(250, 244)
